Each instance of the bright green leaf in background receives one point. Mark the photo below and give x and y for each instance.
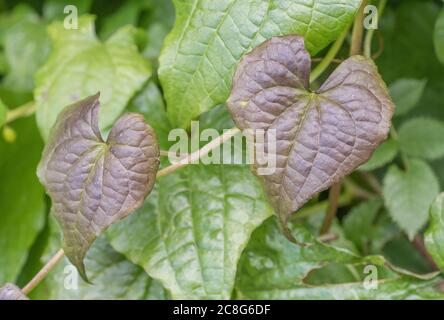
(422, 138)
(384, 154)
(126, 14)
(80, 65)
(409, 52)
(270, 267)
(408, 194)
(157, 23)
(26, 47)
(191, 231)
(149, 103)
(439, 36)
(273, 268)
(406, 94)
(407, 31)
(434, 236)
(22, 205)
(112, 275)
(209, 38)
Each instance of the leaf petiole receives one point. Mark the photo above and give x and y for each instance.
(43, 272)
(23, 111)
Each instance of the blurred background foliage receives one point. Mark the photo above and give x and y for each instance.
(384, 206)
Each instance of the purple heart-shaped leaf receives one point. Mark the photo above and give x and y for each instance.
(321, 135)
(93, 183)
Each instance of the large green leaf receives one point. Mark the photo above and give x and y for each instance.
(439, 36)
(408, 195)
(434, 236)
(22, 207)
(422, 138)
(112, 275)
(209, 38)
(273, 268)
(80, 65)
(190, 232)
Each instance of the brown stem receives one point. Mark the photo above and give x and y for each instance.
(418, 242)
(328, 237)
(372, 182)
(43, 272)
(333, 199)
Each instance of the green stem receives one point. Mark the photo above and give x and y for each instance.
(370, 33)
(331, 54)
(23, 111)
(358, 31)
